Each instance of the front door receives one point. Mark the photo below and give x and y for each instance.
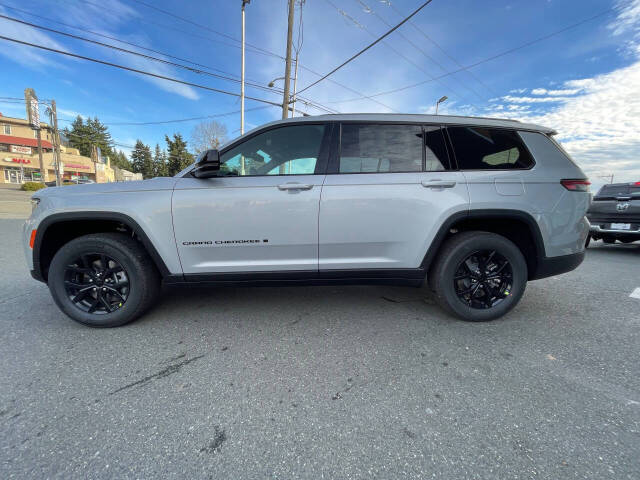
(260, 214)
(388, 189)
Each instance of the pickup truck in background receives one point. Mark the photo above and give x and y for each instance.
(615, 213)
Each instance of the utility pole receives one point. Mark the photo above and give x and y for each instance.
(295, 75)
(56, 141)
(287, 69)
(33, 116)
(244, 3)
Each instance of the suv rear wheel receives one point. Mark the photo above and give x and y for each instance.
(103, 280)
(478, 276)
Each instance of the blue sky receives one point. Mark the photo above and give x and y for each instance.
(584, 82)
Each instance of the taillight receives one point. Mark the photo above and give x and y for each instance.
(637, 183)
(576, 185)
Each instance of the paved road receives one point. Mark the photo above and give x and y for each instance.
(325, 382)
(14, 203)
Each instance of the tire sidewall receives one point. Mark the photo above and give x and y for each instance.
(470, 245)
(69, 253)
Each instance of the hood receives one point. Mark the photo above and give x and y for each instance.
(159, 183)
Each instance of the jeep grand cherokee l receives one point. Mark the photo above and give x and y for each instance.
(475, 206)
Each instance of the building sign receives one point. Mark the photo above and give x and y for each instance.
(33, 112)
(20, 149)
(76, 166)
(18, 160)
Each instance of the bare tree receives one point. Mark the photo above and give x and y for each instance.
(208, 135)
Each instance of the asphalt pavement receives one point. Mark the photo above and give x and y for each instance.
(341, 382)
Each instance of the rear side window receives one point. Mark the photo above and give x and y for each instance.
(380, 148)
(482, 148)
(612, 191)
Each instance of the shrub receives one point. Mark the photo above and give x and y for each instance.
(32, 186)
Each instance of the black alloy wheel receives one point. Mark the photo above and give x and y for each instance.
(96, 283)
(483, 279)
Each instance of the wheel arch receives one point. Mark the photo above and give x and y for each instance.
(521, 228)
(58, 229)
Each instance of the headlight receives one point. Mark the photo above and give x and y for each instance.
(34, 203)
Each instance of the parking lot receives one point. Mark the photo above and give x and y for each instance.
(325, 382)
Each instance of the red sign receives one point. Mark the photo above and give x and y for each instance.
(76, 166)
(20, 160)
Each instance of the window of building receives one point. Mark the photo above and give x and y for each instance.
(380, 148)
(291, 150)
(7, 129)
(482, 148)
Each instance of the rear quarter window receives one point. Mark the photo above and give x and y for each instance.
(483, 148)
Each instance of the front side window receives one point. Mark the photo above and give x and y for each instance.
(7, 129)
(380, 148)
(483, 148)
(290, 150)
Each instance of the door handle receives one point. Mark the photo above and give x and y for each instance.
(295, 186)
(437, 183)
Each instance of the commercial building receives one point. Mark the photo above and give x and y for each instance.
(19, 160)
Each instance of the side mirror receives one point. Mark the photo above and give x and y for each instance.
(207, 165)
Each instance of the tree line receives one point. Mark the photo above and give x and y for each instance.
(163, 162)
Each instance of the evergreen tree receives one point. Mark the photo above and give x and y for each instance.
(141, 160)
(160, 167)
(178, 156)
(119, 159)
(82, 135)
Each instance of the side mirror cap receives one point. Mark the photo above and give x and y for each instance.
(207, 165)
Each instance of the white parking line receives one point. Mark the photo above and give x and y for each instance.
(635, 293)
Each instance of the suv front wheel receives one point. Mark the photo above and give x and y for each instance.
(103, 280)
(478, 276)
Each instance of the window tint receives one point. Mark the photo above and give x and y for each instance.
(481, 148)
(289, 150)
(380, 148)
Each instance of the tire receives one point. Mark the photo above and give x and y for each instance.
(451, 261)
(587, 241)
(130, 290)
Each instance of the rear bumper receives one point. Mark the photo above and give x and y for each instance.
(600, 231)
(550, 266)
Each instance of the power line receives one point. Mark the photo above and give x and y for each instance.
(368, 9)
(393, 49)
(379, 39)
(453, 59)
(259, 50)
(488, 59)
(179, 120)
(135, 70)
(152, 58)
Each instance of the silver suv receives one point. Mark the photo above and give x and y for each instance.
(476, 206)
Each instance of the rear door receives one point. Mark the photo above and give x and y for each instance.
(261, 213)
(388, 189)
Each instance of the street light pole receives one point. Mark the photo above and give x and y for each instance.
(442, 99)
(287, 68)
(244, 3)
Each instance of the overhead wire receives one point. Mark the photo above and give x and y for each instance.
(393, 49)
(449, 56)
(135, 70)
(371, 45)
(488, 59)
(368, 9)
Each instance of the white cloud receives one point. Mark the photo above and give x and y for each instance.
(22, 54)
(512, 99)
(566, 91)
(518, 90)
